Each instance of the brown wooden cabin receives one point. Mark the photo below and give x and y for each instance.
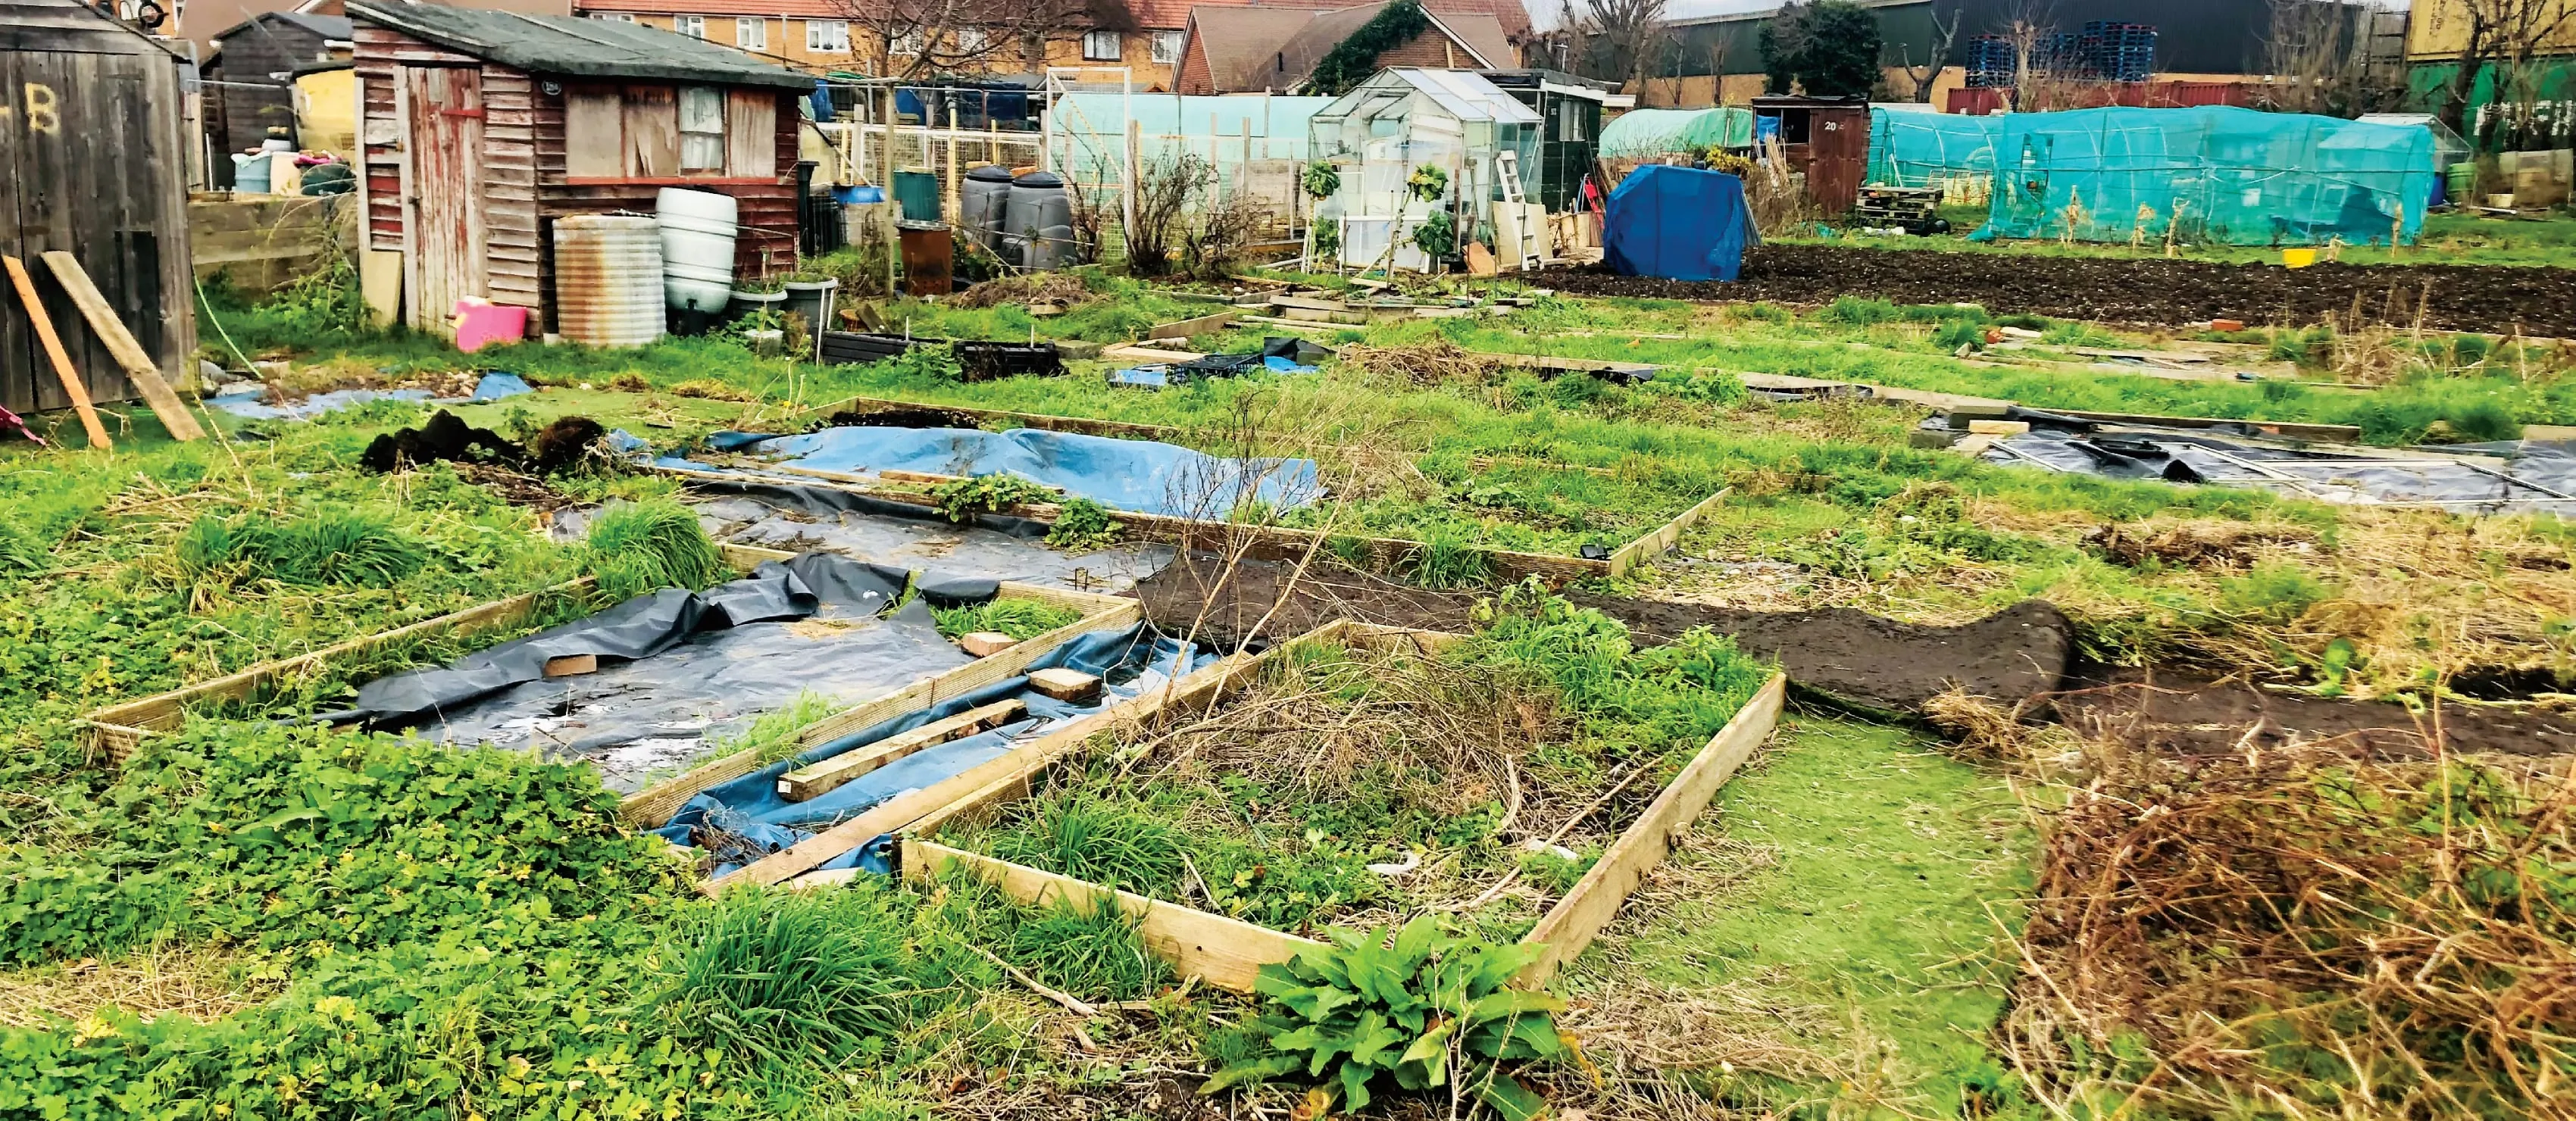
(1827, 138)
(94, 162)
(480, 128)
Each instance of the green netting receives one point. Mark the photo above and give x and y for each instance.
(1927, 149)
(1648, 133)
(2214, 173)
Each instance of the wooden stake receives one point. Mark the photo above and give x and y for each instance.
(72, 386)
(130, 354)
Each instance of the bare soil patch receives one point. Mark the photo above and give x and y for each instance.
(2491, 298)
(2170, 714)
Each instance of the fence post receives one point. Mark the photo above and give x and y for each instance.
(1134, 173)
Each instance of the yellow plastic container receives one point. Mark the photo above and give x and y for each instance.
(2298, 258)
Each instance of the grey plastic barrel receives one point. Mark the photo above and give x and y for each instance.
(983, 203)
(1039, 224)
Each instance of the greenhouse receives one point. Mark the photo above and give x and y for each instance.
(1647, 134)
(2209, 174)
(1410, 144)
(1945, 150)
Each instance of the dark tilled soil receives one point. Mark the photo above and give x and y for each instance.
(2179, 714)
(2491, 298)
(2021, 653)
(923, 417)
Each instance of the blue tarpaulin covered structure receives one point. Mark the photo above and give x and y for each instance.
(1139, 475)
(1678, 223)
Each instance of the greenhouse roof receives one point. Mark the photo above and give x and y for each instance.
(1462, 94)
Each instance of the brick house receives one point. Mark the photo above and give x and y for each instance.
(819, 35)
(1272, 48)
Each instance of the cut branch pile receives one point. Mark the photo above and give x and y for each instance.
(1428, 363)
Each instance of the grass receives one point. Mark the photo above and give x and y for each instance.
(1022, 619)
(1831, 922)
(637, 548)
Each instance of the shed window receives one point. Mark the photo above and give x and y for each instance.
(1570, 120)
(1100, 46)
(702, 129)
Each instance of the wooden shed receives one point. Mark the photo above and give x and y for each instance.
(1825, 137)
(480, 128)
(250, 85)
(94, 162)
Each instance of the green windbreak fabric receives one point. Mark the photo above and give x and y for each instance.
(1647, 133)
(2213, 173)
(1921, 149)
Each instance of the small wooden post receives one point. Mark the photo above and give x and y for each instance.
(1135, 174)
(44, 324)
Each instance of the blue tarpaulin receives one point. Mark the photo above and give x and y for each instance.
(1129, 661)
(1678, 223)
(1139, 475)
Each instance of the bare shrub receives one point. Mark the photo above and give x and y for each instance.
(1166, 188)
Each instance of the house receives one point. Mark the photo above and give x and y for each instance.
(1145, 37)
(2505, 106)
(479, 129)
(250, 73)
(204, 22)
(1270, 49)
(75, 76)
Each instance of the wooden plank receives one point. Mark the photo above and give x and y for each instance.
(120, 342)
(1577, 918)
(652, 121)
(1631, 555)
(807, 783)
(751, 133)
(594, 132)
(1225, 952)
(53, 344)
(1185, 328)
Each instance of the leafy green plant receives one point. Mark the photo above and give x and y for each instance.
(932, 362)
(1858, 311)
(1320, 179)
(1415, 1008)
(1447, 560)
(1428, 182)
(1436, 236)
(961, 498)
(325, 302)
(637, 548)
(1082, 525)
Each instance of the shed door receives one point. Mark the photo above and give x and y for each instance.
(446, 191)
(1838, 147)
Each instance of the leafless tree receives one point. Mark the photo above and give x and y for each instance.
(2508, 35)
(2322, 51)
(1617, 40)
(2029, 26)
(939, 38)
(1944, 37)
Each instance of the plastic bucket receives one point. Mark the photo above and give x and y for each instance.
(2298, 258)
(698, 231)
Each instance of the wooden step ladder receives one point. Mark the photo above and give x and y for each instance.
(1507, 168)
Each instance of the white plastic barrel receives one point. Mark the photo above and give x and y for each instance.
(698, 229)
(608, 279)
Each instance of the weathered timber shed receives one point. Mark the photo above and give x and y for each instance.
(251, 80)
(93, 162)
(480, 128)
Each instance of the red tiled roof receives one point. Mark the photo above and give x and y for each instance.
(1159, 15)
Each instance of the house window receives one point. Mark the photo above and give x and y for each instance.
(1100, 46)
(702, 120)
(751, 34)
(1167, 47)
(972, 42)
(694, 27)
(827, 36)
(613, 17)
(906, 42)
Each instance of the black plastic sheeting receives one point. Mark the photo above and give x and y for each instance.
(680, 671)
(2509, 477)
(986, 547)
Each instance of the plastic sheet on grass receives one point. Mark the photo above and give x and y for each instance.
(2517, 476)
(252, 404)
(745, 819)
(678, 671)
(1138, 475)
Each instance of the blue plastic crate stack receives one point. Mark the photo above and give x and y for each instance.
(1990, 62)
(2119, 52)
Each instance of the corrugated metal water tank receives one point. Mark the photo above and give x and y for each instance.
(608, 279)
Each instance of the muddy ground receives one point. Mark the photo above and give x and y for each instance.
(2490, 298)
(2023, 653)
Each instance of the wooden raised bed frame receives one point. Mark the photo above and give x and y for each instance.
(1229, 952)
(116, 731)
